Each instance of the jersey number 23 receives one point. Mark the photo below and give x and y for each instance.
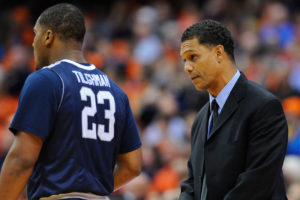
(90, 111)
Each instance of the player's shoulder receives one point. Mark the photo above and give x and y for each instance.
(113, 84)
(115, 88)
(44, 74)
(43, 77)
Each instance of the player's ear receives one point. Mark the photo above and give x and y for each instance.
(48, 37)
(219, 52)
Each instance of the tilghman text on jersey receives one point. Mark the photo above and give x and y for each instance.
(92, 79)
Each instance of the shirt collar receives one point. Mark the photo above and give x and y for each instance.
(225, 92)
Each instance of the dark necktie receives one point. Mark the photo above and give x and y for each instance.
(214, 108)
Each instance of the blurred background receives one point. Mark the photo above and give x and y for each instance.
(137, 44)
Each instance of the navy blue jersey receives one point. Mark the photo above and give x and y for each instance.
(85, 121)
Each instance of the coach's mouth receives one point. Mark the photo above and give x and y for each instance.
(194, 78)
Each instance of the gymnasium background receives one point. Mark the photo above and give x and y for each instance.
(137, 44)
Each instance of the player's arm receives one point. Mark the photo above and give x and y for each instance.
(19, 164)
(129, 159)
(129, 165)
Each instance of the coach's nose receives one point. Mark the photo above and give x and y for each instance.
(187, 67)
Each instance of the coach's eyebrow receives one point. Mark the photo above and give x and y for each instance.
(186, 51)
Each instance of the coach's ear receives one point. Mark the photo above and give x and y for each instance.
(49, 36)
(219, 52)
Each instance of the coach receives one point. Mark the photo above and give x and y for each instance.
(239, 137)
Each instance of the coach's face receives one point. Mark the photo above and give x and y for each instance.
(40, 47)
(202, 64)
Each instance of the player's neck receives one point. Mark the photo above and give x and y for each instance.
(73, 55)
(67, 51)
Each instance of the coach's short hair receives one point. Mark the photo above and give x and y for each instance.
(66, 20)
(212, 33)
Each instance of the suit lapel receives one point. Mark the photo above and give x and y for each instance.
(204, 124)
(237, 93)
(201, 139)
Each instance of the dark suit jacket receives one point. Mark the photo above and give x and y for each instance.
(244, 154)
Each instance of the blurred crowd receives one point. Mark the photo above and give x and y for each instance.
(137, 44)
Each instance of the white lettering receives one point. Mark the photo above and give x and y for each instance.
(92, 79)
(89, 79)
(76, 73)
(95, 79)
(106, 81)
(82, 78)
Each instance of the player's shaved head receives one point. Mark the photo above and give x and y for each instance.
(64, 19)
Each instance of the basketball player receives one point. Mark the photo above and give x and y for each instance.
(75, 135)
